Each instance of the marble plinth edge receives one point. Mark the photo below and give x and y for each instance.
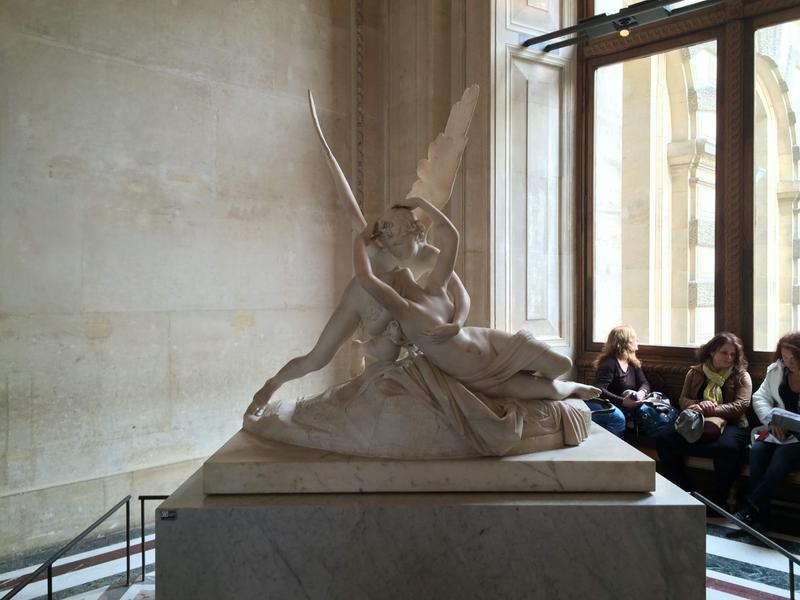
(247, 464)
(502, 545)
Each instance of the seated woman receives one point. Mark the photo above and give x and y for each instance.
(775, 452)
(719, 386)
(489, 361)
(620, 379)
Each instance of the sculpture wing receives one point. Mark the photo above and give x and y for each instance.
(342, 187)
(437, 173)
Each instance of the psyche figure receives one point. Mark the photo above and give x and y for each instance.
(476, 356)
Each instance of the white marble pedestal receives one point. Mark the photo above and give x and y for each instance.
(602, 463)
(431, 545)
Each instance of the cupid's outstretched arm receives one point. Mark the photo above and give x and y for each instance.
(461, 299)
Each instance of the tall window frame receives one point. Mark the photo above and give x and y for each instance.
(732, 26)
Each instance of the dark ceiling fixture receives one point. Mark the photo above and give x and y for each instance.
(621, 23)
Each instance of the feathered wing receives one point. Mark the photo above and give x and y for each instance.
(437, 173)
(343, 189)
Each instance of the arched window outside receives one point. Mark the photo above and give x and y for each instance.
(654, 195)
(776, 186)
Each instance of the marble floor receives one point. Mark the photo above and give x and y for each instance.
(96, 571)
(736, 567)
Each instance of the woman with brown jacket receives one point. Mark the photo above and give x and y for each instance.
(719, 388)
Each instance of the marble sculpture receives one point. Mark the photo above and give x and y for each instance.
(459, 391)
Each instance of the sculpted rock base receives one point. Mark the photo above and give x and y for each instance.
(411, 410)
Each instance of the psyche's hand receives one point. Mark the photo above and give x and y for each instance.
(421, 204)
(411, 202)
(368, 234)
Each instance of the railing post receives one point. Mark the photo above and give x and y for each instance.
(791, 579)
(141, 516)
(128, 541)
(142, 500)
(50, 582)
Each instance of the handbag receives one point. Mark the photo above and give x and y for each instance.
(712, 429)
(655, 416)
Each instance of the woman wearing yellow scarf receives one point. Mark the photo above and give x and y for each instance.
(719, 387)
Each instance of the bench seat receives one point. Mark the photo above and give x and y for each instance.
(706, 464)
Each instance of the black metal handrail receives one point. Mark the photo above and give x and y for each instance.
(758, 535)
(48, 564)
(141, 515)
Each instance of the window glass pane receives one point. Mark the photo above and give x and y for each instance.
(775, 184)
(654, 198)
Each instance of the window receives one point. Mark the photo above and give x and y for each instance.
(775, 183)
(689, 182)
(654, 182)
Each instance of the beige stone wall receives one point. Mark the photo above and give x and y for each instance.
(169, 236)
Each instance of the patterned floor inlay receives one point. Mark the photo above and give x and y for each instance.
(737, 566)
(95, 574)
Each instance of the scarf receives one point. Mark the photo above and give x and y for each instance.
(713, 391)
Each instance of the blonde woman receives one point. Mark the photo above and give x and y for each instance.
(620, 379)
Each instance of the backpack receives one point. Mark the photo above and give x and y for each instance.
(656, 416)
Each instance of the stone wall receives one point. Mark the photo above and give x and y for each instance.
(169, 237)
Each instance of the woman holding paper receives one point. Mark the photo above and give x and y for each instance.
(775, 451)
